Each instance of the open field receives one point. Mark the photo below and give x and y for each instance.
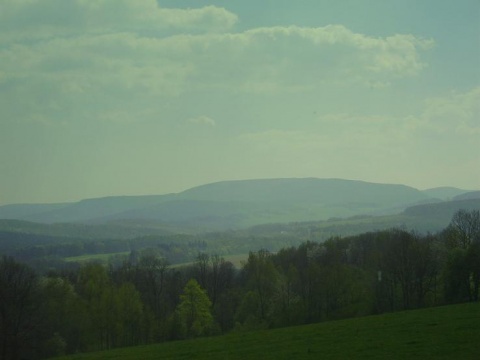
(237, 261)
(449, 332)
(95, 257)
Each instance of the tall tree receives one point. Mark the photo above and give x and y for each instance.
(463, 269)
(64, 315)
(262, 282)
(464, 229)
(19, 303)
(194, 310)
(150, 280)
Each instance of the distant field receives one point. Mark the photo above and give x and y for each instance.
(449, 332)
(95, 257)
(236, 260)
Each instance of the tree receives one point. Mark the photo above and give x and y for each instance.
(202, 269)
(213, 273)
(411, 263)
(150, 279)
(464, 229)
(262, 280)
(64, 315)
(18, 309)
(463, 269)
(194, 310)
(130, 315)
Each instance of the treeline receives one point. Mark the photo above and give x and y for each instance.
(45, 253)
(176, 248)
(144, 300)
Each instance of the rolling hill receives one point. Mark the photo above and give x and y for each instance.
(233, 204)
(444, 192)
(448, 332)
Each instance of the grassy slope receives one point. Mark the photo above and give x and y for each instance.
(94, 257)
(449, 332)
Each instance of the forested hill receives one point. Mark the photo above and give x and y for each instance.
(236, 204)
(307, 190)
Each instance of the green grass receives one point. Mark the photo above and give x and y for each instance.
(236, 260)
(94, 257)
(449, 332)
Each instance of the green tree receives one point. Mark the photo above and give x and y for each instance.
(194, 310)
(19, 303)
(263, 281)
(151, 273)
(94, 287)
(63, 313)
(131, 315)
(463, 269)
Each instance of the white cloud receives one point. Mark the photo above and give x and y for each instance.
(39, 19)
(92, 59)
(456, 116)
(442, 137)
(202, 120)
(458, 112)
(398, 54)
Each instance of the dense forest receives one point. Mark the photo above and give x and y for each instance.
(142, 299)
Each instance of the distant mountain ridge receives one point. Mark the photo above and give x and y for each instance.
(237, 204)
(468, 195)
(445, 192)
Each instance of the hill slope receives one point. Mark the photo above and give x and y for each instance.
(444, 193)
(449, 332)
(234, 204)
(443, 211)
(307, 190)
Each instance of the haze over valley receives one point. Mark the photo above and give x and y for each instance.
(234, 177)
(240, 204)
(156, 97)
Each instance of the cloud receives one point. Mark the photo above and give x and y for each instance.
(398, 54)
(457, 112)
(202, 120)
(39, 19)
(86, 60)
(439, 139)
(456, 116)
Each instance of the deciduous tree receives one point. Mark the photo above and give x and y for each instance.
(194, 310)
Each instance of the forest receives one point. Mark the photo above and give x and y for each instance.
(143, 299)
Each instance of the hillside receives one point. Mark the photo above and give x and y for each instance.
(28, 238)
(441, 212)
(233, 204)
(448, 332)
(444, 192)
(468, 195)
(307, 190)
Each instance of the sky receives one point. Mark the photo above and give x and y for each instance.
(134, 97)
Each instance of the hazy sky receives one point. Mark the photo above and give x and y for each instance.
(126, 97)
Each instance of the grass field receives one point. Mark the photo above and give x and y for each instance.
(236, 260)
(449, 332)
(94, 257)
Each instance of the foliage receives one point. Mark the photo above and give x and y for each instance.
(194, 310)
(143, 299)
(448, 332)
(19, 321)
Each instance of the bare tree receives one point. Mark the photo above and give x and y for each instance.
(464, 229)
(463, 238)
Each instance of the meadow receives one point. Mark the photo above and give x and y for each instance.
(102, 258)
(447, 332)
